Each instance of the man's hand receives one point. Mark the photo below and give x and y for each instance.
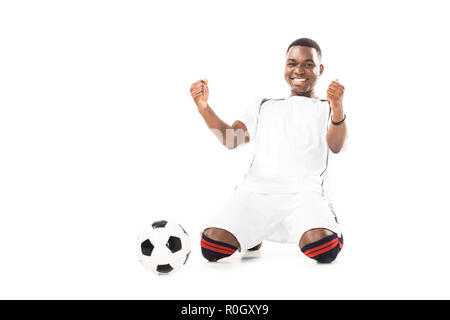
(200, 94)
(335, 94)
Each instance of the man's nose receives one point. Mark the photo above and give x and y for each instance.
(299, 70)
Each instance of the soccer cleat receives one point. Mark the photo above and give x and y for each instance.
(257, 247)
(253, 252)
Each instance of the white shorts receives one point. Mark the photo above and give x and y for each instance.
(283, 217)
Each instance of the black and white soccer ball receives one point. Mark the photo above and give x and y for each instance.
(164, 247)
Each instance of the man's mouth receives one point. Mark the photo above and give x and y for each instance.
(298, 80)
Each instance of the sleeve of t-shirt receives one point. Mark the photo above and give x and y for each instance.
(250, 118)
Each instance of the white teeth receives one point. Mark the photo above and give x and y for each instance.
(299, 80)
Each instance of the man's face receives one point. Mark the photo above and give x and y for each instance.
(302, 71)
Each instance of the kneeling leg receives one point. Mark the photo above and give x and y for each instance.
(321, 245)
(217, 244)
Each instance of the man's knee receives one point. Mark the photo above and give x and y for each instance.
(321, 245)
(217, 244)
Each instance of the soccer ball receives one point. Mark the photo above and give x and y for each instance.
(164, 247)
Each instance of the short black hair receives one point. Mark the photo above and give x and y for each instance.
(306, 42)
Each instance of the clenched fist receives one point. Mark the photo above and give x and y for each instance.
(335, 94)
(200, 94)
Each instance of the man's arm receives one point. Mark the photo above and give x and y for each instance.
(336, 134)
(230, 136)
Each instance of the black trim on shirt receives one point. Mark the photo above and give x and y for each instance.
(328, 150)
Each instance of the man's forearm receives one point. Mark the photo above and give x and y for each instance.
(337, 134)
(219, 128)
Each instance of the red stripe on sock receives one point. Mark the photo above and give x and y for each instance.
(217, 246)
(316, 253)
(216, 250)
(326, 244)
(229, 252)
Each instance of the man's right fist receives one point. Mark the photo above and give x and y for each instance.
(200, 94)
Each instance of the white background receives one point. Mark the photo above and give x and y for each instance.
(99, 137)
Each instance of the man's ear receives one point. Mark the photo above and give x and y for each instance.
(321, 69)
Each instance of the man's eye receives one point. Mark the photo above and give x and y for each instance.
(291, 64)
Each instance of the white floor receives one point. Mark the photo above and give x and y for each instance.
(280, 272)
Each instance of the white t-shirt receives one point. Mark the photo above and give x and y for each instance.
(291, 150)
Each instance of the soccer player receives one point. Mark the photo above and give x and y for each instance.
(281, 197)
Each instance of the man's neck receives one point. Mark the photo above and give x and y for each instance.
(309, 94)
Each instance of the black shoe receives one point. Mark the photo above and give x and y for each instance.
(257, 247)
(252, 252)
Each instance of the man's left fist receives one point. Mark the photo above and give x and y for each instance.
(335, 94)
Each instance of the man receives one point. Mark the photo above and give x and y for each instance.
(282, 197)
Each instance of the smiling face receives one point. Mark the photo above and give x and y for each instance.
(302, 71)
